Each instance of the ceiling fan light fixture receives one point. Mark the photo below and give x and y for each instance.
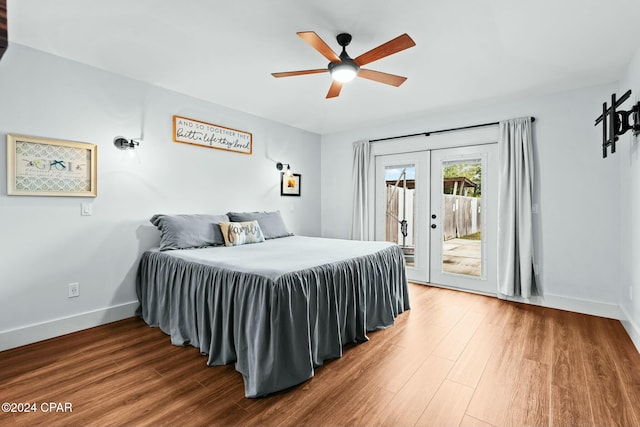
(344, 71)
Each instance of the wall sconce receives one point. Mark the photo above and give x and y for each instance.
(123, 143)
(280, 166)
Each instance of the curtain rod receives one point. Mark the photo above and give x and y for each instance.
(533, 119)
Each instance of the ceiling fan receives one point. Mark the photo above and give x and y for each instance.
(343, 69)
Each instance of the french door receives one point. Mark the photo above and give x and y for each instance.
(440, 207)
(402, 208)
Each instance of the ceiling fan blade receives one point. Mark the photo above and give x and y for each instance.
(318, 44)
(299, 73)
(389, 48)
(334, 90)
(377, 76)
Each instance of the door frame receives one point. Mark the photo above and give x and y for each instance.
(453, 139)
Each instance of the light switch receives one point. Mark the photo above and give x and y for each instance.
(87, 209)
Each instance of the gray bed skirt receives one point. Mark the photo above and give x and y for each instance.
(275, 330)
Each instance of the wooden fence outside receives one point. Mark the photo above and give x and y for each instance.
(461, 216)
(395, 201)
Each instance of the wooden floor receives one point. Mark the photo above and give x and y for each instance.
(455, 359)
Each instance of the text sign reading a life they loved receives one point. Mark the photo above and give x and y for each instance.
(195, 132)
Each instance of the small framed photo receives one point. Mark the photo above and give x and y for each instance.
(50, 167)
(290, 185)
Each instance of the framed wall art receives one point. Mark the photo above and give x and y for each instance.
(195, 132)
(50, 167)
(290, 184)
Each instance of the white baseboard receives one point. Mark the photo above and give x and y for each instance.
(632, 328)
(594, 308)
(41, 331)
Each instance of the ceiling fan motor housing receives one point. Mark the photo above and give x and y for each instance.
(345, 62)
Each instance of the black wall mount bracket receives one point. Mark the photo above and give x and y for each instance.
(617, 122)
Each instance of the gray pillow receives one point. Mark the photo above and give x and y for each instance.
(271, 223)
(189, 231)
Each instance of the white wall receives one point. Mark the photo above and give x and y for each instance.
(577, 230)
(46, 244)
(628, 157)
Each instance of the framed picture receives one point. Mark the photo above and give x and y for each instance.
(50, 167)
(196, 132)
(290, 185)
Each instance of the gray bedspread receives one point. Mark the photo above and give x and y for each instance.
(276, 309)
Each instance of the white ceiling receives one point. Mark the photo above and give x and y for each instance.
(467, 51)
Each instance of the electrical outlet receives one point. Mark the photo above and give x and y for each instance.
(74, 290)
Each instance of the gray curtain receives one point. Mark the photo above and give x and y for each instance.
(360, 221)
(515, 182)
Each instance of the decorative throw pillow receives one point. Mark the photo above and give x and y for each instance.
(189, 231)
(241, 233)
(271, 223)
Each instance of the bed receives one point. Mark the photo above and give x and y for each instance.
(277, 308)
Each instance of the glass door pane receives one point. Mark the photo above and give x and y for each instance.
(462, 217)
(400, 183)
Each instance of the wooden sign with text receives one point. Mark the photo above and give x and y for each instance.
(189, 131)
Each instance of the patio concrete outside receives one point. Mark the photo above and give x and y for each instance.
(462, 256)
